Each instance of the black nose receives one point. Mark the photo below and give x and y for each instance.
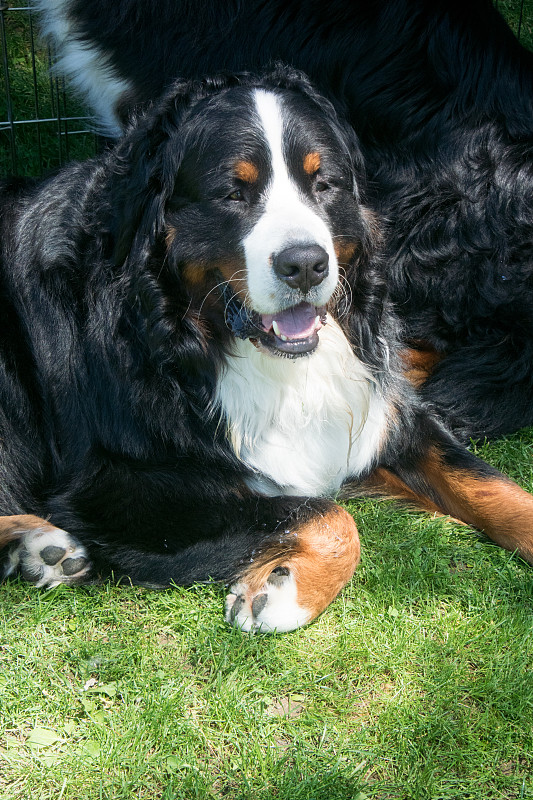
(302, 266)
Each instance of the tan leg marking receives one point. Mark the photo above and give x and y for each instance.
(14, 527)
(290, 584)
(494, 504)
(419, 364)
(497, 506)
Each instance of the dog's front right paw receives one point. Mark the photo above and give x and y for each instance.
(47, 556)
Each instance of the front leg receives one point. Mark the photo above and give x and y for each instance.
(297, 574)
(285, 558)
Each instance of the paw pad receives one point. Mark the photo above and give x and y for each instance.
(274, 607)
(52, 554)
(49, 556)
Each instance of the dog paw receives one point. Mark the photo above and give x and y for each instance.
(49, 556)
(274, 607)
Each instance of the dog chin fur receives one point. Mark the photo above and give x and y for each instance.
(302, 426)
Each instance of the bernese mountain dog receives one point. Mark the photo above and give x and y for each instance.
(198, 354)
(440, 94)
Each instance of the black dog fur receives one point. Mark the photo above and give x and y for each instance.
(115, 342)
(441, 96)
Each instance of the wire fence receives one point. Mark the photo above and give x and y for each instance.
(42, 125)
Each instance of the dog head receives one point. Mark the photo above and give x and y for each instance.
(252, 186)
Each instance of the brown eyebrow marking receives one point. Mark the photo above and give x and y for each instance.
(246, 171)
(312, 163)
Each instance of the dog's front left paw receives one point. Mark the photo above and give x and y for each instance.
(273, 607)
(297, 574)
(48, 556)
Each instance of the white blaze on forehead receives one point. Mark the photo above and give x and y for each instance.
(271, 116)
(286, 220)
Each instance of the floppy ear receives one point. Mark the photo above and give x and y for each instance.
(145, 164)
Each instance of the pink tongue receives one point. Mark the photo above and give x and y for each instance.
(297, 322)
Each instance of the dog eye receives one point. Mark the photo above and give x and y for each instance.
(237, 195)
(321, 186)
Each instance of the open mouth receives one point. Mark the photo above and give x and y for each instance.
(291, 333)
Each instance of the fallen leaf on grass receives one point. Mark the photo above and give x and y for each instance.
(42, 737)
(90, 748)
(291, 706)
(109, 689)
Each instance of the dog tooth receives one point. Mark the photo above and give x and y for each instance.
(275, 327)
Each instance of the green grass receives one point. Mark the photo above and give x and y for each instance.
(522, 28)
(416, 683)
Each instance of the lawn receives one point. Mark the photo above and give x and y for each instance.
(415, 684)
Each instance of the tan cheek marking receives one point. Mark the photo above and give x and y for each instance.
(246, 171)
(194, 275)
(345, 251)
(234, 273)
(311, 163)
(322, 555)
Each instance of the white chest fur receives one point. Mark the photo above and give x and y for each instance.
(302, 425)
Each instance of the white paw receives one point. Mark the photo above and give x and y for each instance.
(274, 607)
(49, 556)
